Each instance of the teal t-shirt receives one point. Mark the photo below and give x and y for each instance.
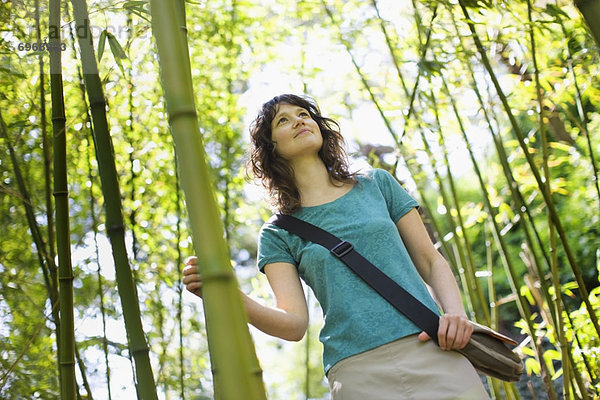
(357, 319)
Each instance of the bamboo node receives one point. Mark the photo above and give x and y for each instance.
(60, 193)
(182, 111)
(140, 350)
(98, 103)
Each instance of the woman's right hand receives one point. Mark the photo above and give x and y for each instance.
(191, 279)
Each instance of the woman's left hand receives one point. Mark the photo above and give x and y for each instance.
(454, 332)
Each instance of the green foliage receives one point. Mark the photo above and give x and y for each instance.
(238, 49)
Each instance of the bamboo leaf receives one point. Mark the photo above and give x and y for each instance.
(557, 374)
(117, 51)
(532, 366)
(528, 351)
(139, 8)
(115, 47)
(101, 44)
(525, 292)
(556, 12)
(11, 71)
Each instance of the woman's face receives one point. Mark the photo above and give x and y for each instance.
(295, 133)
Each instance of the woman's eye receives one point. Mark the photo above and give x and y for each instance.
(281, 120)
(303, 114)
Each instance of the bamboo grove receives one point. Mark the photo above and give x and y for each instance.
(123, 132)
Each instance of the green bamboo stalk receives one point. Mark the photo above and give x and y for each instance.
(92, 205)
(503, 248)
(138, 347)
(391, 48)
(468, 261)
(61, 195)
(458, 245)
(178, 236)
(46, 148)
(128, 75)
(236, 371)
(424, 49)
(362, 77)
(590, 9)
(181, 13)
(522, 304)
(547, 198)
(494, 384)
(47, 264)
(520, 205)
(560, 330)
(388, 124)
(307, 337)
(82, 371)
(98, 269)
(580, 111)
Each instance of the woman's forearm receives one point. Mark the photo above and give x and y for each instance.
(444, 287)
(275, 321)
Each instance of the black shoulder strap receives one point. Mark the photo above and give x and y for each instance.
(395, 294)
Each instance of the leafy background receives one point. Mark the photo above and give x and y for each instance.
(412, 94)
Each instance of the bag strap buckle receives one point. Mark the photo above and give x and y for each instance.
(342, 248)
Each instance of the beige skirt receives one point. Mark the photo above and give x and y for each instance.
(406, 369)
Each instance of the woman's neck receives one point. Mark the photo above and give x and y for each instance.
(313, 182)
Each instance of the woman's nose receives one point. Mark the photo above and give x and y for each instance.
(298, 120)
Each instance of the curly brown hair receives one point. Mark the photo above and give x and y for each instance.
(276, 174)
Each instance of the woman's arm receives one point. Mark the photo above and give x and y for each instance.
(287, 320)
(455, 329)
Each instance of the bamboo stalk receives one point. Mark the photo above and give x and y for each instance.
(92, 205)
(235, 368)
(580, 111)
(424, 49)
(560, 331)
(391, 130)
(523, 307)
(98, 270)
(180, 4)
(521, 302)
(391, 48)
(47, 264)
(520, 205)
(61, 196)
(590, 9)
(502, 247)
(46, 148)
(363, 79)
(493, 383)
(83, 372)
(468, 260)
(178, 237)
(138, 347)
(547, 198)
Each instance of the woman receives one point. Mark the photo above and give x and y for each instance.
(371, 351)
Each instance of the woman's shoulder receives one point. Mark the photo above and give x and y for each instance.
(375, 174)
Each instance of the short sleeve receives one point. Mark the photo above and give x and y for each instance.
(398, 201)
(272, 247)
